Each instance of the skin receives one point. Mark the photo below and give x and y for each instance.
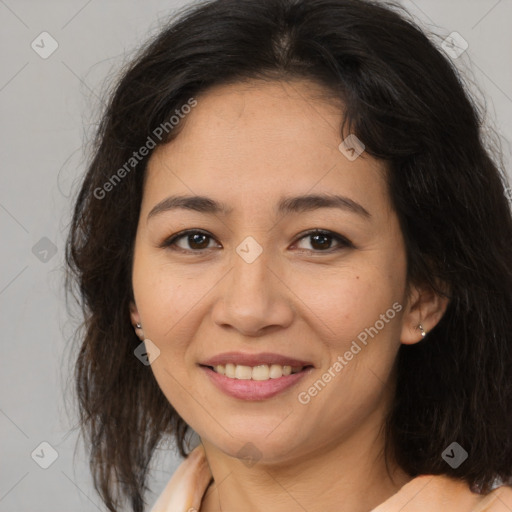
(249, 145)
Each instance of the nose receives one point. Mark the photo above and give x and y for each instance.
(253, 298)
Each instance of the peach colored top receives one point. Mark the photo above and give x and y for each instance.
(426, 493)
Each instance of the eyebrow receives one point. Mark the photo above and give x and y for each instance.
(286, 205)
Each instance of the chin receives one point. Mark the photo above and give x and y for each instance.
(256, 445)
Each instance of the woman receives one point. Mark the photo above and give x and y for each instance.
(292, 240)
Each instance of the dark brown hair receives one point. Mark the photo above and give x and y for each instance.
(405, 101)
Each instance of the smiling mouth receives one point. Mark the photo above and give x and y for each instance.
(260, 372)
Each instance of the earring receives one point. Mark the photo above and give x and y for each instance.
(423, 333)
(138, 326)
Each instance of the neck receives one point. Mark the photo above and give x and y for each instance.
(350, 472)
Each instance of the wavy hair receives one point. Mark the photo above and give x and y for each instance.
(405, 100)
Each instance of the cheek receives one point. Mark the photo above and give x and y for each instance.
(357, 319)
(340, 306)
(168, 302)
(165, 294)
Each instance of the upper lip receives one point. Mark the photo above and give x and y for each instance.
(240, 358)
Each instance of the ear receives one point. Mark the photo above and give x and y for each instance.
(425, 307)
(135, 319)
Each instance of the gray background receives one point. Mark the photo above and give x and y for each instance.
(48, 111)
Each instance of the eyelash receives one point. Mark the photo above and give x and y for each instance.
(343, 242)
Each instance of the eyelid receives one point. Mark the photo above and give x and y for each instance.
(343, 242)
(169, 243)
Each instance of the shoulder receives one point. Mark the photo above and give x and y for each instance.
(425, 493)
(499, 500)
(431, 493)
(186, 488)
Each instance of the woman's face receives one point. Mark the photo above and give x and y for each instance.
(256, 283)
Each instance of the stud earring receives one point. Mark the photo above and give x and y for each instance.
(138, 326)
(423, 333)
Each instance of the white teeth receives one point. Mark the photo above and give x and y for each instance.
(243, 372)
(230, 371)
(276, 371)
(260, 372)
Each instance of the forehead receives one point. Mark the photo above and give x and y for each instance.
(260, 139)
(277, 116)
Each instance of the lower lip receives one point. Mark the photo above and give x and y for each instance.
(248, 389)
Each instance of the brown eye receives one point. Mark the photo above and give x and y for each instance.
(321, 241)
(198, 241)
(325, 241)
(191, 240)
